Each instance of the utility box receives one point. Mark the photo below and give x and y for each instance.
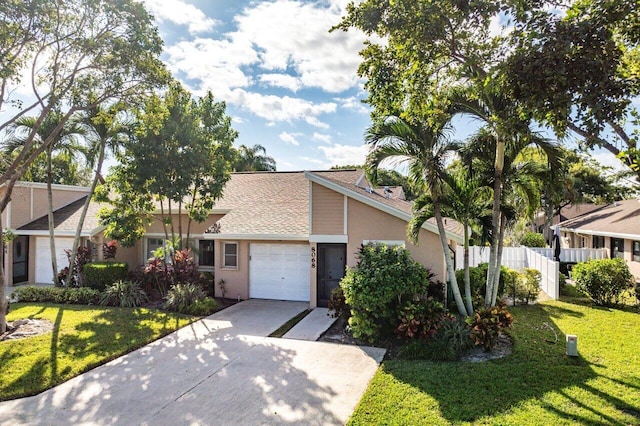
(572, 345)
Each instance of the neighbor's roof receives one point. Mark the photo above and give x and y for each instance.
(620, 219)
(66, 220)
(568, 212)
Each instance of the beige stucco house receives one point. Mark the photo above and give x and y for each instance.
(613, 226)
(275, 235)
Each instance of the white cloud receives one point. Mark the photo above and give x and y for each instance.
(281, 80)
(354, 104)
(607, 159)
(322, 138)
(313, 161)
(180, 13)
(276, 108)
(343, 155)
(290, 138)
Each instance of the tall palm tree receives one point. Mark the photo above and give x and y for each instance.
(254, 158)
(426, 149)
(64, 139)
(104, 130)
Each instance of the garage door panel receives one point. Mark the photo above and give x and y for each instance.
(279, 271)
(44, 274)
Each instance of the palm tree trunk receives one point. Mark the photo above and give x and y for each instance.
(494, 261)
(449, 262)
(467, 277)
(83, 215)
(52, 239)
(496, 278)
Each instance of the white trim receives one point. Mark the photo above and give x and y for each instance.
(380, 206)
(329, 239)
(46, 233)
(41, 185)
(392, 243)
(602, 234)
(310, 207)
(345, 218)
(360, 178)
(31, 204)
(260, 237)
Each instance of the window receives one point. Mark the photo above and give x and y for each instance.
(617, 248)
(153, 244)
(230, 255)
(205, 253)
(636, 251)
(598, 241)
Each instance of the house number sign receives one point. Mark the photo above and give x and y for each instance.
(313, 257)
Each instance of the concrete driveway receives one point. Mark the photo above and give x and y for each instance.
(219, 370)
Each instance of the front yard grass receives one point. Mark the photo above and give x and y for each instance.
(83, 338)
(537, 384)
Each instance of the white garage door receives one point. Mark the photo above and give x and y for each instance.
(44, 274)
(279, 271)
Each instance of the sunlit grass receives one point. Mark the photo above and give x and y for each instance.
(537, 384)
(83, 338)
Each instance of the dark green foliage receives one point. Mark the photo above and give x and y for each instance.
(189, 298)
(68, 295)
(125, 294)
(420, 320)
(478, 279)
(451, 339)
(338, 304)
(489, 323)
(603, 280)
(533, 239)
(100, 275)
(384, 280)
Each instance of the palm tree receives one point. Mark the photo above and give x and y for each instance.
(63, 138)
(104, 130)
(253, 158)
(426, 150)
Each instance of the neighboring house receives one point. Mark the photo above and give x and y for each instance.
(613, 226)
(567, 212)
(275, 235)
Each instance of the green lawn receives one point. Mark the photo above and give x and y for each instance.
(83, 338)
(538, 384)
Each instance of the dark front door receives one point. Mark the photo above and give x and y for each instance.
(331, 264)
(20, 259)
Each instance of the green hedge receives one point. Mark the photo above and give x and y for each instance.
(69, 295)
(100, 275)
(604, 280)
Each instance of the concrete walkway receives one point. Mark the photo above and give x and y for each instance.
(219, 370)
(312, 326)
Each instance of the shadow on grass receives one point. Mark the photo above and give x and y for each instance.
(538, 373)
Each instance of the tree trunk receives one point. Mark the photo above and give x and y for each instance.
(496, 278)
(3, 280)
(83, 215)
(494, 261)
(52, 238)
(467, 277)
(449, 262)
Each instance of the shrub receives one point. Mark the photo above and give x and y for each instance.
(451, 339)
(189, 298)
(420, 319)
(377, 289)
(489, 323)
(478, 281)
(603, 280)
(337, 303)
(109, 250)
(68, 295)
(126, 294)
(162, 275)
(524, 286)
(83, 256)
(533, 239)
(100, 275)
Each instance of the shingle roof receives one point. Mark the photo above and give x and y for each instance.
(622, 217)
(270, 203)
(66, 218)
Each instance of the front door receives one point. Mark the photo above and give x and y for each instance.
(331, 268)
(20, 259)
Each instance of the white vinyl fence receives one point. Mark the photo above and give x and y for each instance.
(541, 259)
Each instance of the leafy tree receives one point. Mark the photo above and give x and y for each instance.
(253, 158)
(179, 159)
(78, 54)
(65, 170)
(425, 149)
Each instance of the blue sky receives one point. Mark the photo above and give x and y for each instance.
(289, 84)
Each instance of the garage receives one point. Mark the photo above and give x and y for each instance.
(43, 256)
(279, 271)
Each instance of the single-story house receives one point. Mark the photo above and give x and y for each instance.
(275, 235)
(565, 213)
(613, 226)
